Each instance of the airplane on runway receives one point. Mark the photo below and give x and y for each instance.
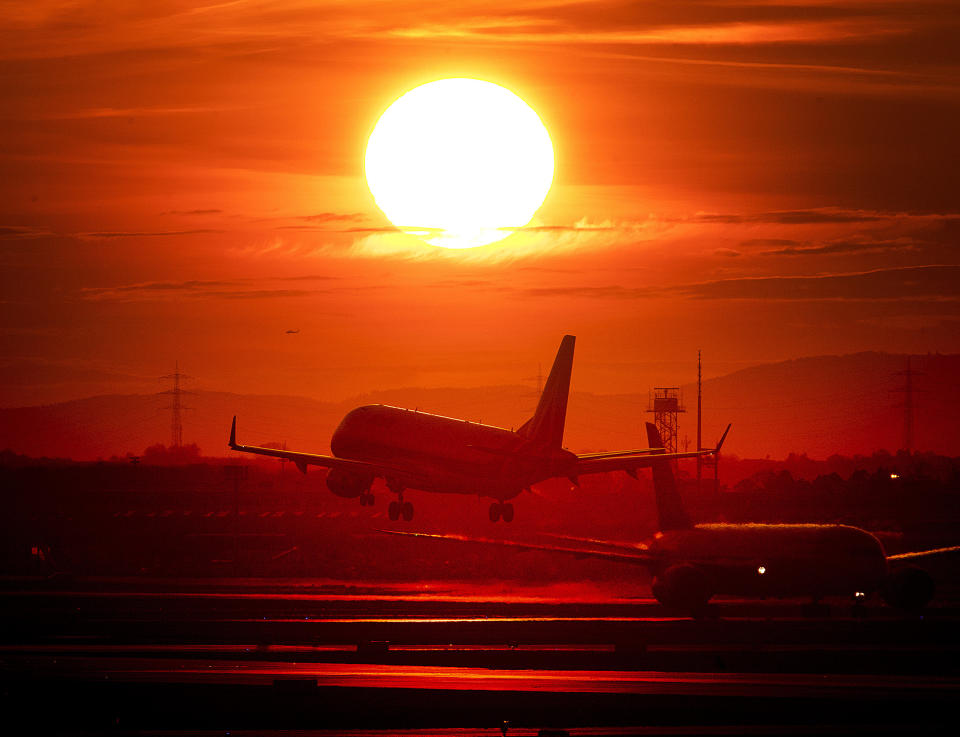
(691, 563)
(410, 449)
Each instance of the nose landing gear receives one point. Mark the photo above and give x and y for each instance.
(501, 510)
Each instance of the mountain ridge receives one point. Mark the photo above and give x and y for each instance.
(818, 405)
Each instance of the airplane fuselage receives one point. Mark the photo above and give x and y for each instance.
(443, 454)
(773, 560)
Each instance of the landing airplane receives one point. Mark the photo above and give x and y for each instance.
(410, 449)
(691, 563)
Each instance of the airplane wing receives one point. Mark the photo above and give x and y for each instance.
(631, 460)
(637, 556)
(935, 552)
(302, 460)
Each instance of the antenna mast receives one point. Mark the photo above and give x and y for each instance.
(699, 421)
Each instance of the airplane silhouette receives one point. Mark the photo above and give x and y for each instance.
(691, 563)
(293, 332)
(410, 449)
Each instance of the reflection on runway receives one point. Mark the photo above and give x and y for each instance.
(154, 655)
(380, 676)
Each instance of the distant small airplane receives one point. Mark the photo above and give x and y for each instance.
(293, 332)
(691, 563)
(410, 449)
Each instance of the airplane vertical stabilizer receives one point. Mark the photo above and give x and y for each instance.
(670, 509)
(546, 426)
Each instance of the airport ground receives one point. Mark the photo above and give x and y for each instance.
(171, 601)
(180, 656)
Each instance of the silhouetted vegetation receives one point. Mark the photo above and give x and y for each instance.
(175, 514)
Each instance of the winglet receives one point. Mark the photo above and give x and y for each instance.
(233, 434)
(722, 438)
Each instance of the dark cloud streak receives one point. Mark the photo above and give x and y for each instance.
(150, 234)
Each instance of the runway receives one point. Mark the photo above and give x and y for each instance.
(384, 676)
(184, 656)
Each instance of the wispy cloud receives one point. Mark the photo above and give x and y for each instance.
(209, 211)
(148, 234)
(933, 281)
(23, 232)
(205, 289)
(83, 27)
(125, 112)
(701, 35)
(864, 245)
(816, 216)
(334, 217)
(525, 243)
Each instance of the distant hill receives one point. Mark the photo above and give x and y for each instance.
(819, 406)
(836, 404)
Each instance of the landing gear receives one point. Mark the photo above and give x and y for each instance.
(683, 587)
(367, 499)
(499, 510)
(400, 508)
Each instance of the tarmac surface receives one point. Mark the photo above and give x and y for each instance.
(210, 656)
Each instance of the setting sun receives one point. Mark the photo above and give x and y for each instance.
(459, 163)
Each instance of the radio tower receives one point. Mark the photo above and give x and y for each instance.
(699, 421)
(176, 406)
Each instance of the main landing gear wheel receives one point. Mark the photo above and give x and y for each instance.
(367, 499)
(398, 509)
(500, 511)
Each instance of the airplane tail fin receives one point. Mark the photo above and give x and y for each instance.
(546, 426)
(670, 509)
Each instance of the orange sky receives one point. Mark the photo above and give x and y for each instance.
(184, 180)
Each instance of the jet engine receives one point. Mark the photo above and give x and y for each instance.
(682, 586)
(908, 588)
(348, 484)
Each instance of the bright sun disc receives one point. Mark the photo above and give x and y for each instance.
(459, 163)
